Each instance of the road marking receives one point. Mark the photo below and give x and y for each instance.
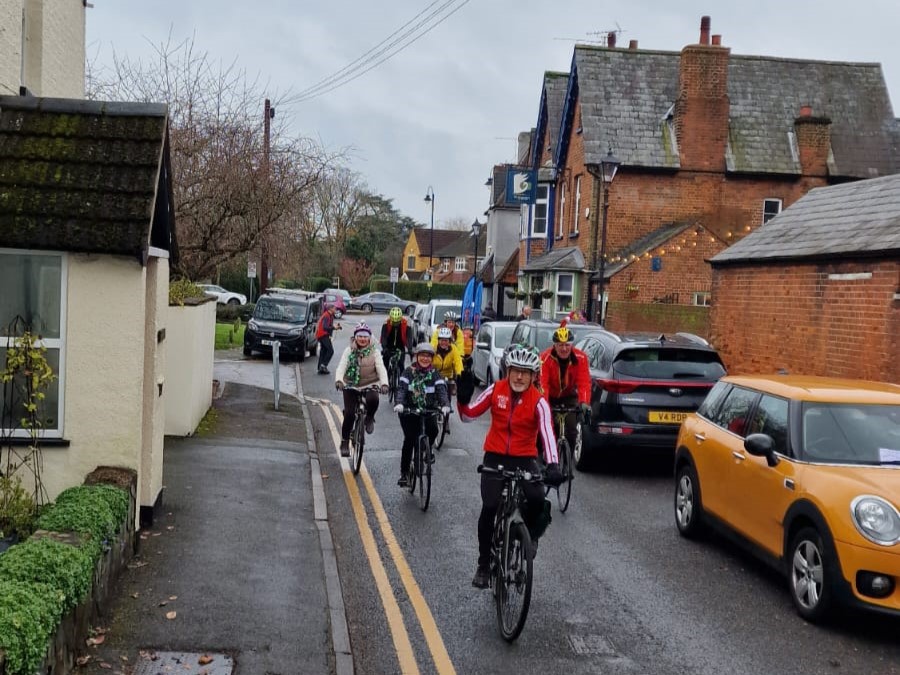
(433, 638)
(394, 616)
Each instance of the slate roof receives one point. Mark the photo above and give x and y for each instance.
(627, 97)
(462, 245)
(442, 238)
(860, 219)
(554, 97)
(564, 258)
(84, 176)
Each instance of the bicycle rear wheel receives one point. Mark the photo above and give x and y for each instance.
(564, 491)
(424, 473)
(442, 422)
(515, 576)
(357, 441)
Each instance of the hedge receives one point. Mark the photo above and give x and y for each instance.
(417, 291)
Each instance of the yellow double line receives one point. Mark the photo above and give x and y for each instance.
(402, 644)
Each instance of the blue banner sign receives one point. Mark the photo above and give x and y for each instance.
(521, 185)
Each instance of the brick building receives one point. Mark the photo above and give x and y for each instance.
(818, 287)
(711, 144)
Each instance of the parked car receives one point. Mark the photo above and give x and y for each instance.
(340, 307)
(490, 343)
(343, 292)
(381, 302)
(222, 296)
(643, 385)
(806, 472)
(288, 317)
(538, 333)
(433, 315)
(419, 321)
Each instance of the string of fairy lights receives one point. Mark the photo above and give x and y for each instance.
(685, 242)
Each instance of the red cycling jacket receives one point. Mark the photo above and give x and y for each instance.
(516, 421)
(577, 380)
(388, 335)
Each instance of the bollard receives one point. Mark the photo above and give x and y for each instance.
(275, 368)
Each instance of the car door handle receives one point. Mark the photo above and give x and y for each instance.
(739, 455)
(700, 437)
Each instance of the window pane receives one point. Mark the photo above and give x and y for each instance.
(31, 290)
(565, 283)
(733, 413)
(15, 394)
(772, 418)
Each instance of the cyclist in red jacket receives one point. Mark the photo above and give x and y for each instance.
(566, 378)
(518, 415)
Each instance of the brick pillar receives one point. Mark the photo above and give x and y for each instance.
(702, 106)
(813, 142)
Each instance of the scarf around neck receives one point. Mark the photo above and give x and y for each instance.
(352, 374)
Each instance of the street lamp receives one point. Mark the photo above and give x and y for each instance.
(429, 198)
(608, 167)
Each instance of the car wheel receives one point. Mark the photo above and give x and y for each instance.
(314, 349)
(247, 351)
(581, 455)
(688, 507)
(812, 566)
(367, 308)
(301, 355)
(234, 302)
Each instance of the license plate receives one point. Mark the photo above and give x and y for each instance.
(665, 417)
(269, 343)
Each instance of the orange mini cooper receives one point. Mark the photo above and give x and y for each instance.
(806, 471)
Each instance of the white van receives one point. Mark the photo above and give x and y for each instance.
(433, 315)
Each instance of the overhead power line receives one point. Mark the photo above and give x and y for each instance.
(403, 37)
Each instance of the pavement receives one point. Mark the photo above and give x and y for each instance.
(237, 574)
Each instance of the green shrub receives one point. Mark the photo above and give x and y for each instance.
(227, 313)
(182, 289)
(17, 508)
(98, 510)
(65, 568)
(317, 284)
(417, 291)
(29, 616)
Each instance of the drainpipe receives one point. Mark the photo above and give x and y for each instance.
(597, 175)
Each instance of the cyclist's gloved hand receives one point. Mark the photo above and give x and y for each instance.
(384, 389)
(585, 410)
(339, 384)
(398, 408)
(552, 476)
(465, 387)
(446, 410)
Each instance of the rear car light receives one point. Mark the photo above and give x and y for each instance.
(617, 386)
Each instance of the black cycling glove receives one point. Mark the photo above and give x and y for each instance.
(465, 387)
(552, 476)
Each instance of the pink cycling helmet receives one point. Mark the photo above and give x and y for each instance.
(362, 328)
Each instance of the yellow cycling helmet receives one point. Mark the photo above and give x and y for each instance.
(395, 314)
(563, 335)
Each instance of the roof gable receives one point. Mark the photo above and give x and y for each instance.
(84, 176)
(553, 97)
(442, 238)
(853, 219)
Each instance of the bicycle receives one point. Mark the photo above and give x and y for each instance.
(512, 554)
(358, 434)
(566, 454)
(422, 459)
(394, 372)
(443, 421)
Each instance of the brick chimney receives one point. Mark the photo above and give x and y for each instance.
(611, 39)
(701, 110)
(813, 141)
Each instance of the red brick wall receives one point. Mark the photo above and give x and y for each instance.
(657, 318)
(814, 143)
(701, 110)
(765, 318)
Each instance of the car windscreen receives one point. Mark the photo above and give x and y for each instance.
(502, 335)
(280, 309)
(845, 433)
(668, 363)
(440, 310)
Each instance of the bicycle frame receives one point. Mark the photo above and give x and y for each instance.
(358, 434)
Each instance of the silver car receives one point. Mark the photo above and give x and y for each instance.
(489, 345)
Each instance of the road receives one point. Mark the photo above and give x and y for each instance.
(617, 591)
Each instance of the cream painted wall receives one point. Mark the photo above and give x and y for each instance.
(10, 46)
(190, 343)
(157, 302)
(103, 378)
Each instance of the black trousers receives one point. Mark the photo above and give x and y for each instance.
(411, 425)
(350, 410)
(492, 487)
(326, 351)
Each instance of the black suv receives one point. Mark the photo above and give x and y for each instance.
(538, 333)
(287, 317)
(642, 386)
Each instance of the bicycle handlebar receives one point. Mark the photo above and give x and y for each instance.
(420, 411)
(517, 474)
(368, 387)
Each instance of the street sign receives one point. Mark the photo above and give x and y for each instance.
(395, 275)
(251, 270)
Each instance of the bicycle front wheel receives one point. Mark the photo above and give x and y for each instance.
(515, 574)
(442, 421)
(564, 491)
(393, 383)
(357, 441)
(414, 470)
(424, 473)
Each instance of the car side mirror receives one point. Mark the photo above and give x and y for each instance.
(761, 445)
(483, 345)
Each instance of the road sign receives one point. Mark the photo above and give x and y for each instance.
(395, 275)
(251, 270)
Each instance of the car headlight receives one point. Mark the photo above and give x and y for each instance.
(252, 325)
(296, 331)
(876, 519)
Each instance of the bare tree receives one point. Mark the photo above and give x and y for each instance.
(226, 196)
(457, 223)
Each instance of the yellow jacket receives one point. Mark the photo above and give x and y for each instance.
(449, 365)
(457, 340)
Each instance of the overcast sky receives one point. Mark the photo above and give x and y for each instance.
(447, 107)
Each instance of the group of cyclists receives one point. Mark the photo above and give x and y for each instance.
(520, 406)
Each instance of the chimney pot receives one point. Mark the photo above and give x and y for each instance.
(611, 39)
(806, 111)
(633, 44)
(717, 40)
(704, 30)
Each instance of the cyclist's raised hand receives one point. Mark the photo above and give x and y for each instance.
(465, 387)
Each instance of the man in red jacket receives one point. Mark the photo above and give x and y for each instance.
(566, 378)
(518, 415)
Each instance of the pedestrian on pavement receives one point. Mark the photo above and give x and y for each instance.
(360, 366)
(526, 312)
(519, 414)
(488, 313)
(324, 330)
(422, 387)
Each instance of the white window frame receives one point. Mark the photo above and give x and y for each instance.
(767, 214)
(702, 298)
(411, 262)
(459, 265)
(577, 204)
(567, 296)
(540, 200)
(562, 212)
(50, 343)
(445, 265)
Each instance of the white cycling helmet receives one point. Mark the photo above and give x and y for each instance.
(424, 347)
(445, 333)
(524, 358)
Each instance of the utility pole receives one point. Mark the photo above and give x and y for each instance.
(268, 114)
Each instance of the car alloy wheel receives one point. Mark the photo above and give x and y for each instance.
(811, 568)
(688, 510)
(367, 308)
